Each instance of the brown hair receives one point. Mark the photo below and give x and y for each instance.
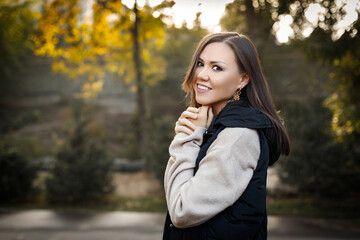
(256, 91)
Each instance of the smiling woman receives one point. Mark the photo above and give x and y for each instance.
(217, 77)
(215, 179)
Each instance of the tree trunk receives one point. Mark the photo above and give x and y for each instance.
(251, 19)
(141, 110)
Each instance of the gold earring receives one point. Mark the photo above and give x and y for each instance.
(237, 94)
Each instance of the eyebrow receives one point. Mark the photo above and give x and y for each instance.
(212, 62)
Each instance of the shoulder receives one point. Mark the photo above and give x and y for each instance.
(235, 142)
(236, 136)
(239, 132)
(238, 147)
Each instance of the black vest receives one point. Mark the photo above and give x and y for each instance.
(246, 218)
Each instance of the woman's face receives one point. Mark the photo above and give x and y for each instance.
(217, 76)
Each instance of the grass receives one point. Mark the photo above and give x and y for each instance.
(310, 207)
(328, 208)
(153, 203)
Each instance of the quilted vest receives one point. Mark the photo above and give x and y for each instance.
(247, 217)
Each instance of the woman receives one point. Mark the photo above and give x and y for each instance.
(215, 179)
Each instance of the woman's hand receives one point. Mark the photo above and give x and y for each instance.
(192, 118)
(184, 123)
(204, 118)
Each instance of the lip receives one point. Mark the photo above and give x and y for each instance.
(202, 90)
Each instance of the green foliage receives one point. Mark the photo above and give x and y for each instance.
(166, 100)
(127, 138)
(254, 18)
(345, 79)
(82, 172)
(29, 146)
(281, 64)
(16, 24)
(161, 134)
(332, 13)
(154, 203)
(178, 50)
(317, 165)
(92, 47)
(321, 139)
(16, 175)
(14, 121)
(339, 54)
(234, 18)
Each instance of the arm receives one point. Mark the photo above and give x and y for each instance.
(183, 150)
(223, 175)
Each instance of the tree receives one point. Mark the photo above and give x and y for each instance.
(118, 39)
(318, 166)
(16, 24)
(337, 50)
(255, 19)
(252, 17)
(82, 171)
(300, 89)
(16, 175)
(167, 100)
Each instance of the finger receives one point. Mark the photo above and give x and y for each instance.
(187, 114)
(203, 111)
(187, 123)
(177, 124)
(193, 109)
(179, 129)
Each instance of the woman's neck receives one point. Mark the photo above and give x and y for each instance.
(216, 108)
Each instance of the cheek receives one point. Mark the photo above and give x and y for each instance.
(229, 92)
(229, 87)
(196, 72)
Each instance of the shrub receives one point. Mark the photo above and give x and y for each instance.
(160, 135)
(82, 171)
(16, 176)
(317, 165)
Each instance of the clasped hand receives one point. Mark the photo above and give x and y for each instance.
(194, 117)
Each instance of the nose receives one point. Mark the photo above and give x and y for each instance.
(203, 74)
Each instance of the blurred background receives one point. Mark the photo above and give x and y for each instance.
(91, 89)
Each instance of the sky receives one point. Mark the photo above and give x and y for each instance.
(185, 10)
(315, 13)
(212, 11)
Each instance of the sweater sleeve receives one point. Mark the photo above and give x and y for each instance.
(223, 174)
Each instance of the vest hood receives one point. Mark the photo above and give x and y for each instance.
(239, 114)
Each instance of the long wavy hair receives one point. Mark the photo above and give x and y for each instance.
(256, 91)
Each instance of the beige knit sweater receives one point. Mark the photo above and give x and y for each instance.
(222, 177)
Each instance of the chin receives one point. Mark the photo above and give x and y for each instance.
(202, 102)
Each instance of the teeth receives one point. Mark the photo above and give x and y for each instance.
(203, 87)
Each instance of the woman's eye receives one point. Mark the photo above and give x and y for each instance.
(217, 68)
(199, 64)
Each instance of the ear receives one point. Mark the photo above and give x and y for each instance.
(244, 80)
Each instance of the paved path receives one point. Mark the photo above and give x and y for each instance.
(50, 225)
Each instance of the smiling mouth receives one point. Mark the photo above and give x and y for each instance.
(202, 87)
